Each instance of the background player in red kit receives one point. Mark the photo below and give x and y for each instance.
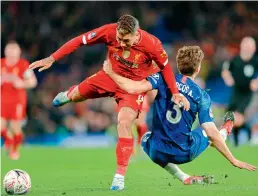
(131, 51)
(16, 77)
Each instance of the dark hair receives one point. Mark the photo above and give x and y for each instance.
(188, 59)
(127, 24)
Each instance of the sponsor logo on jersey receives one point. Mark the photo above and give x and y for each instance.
(124, 61)
(92, 35)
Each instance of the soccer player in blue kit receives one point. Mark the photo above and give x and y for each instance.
(172, 142)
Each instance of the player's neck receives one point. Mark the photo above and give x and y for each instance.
(11, 62)
(247, 57)
(191, 77)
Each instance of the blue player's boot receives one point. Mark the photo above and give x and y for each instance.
(118, 183)
(61, 99)
(229, 119)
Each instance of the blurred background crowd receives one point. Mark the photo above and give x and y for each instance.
(42, 27)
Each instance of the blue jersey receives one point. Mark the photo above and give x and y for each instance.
(171, 124)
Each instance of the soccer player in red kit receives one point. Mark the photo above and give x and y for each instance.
(16, 77)
(131, 50)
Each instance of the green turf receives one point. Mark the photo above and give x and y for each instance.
(74, 172)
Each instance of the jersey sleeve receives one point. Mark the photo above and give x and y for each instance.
(155, 80)
(204, 110)
(98, 35)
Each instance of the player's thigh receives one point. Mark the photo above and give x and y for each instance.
(128, 100)
(200, 143)
(96, 86)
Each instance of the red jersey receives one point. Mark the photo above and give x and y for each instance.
(8, 75)
(134, 63)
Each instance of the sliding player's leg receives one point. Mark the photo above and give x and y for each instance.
(98, 85)
(129, 107)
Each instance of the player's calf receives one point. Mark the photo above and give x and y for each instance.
(72, 95)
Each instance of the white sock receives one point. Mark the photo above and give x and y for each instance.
(118, 176)
(176, 171)
(224, 134)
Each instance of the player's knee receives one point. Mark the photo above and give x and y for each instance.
(16, 127)
(154, 156)
(75, 95)
(3, 124)
(123, 128)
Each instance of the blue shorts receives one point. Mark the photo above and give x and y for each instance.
(163, 157)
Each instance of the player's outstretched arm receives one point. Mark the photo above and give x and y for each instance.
(98, 35)
(219, 143)
(128, 85)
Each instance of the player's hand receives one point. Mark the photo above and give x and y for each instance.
(18, 83)
(181, 101)
(243, 165)
(227, 77)
(107, 67)
(254, 85)
(42, 64)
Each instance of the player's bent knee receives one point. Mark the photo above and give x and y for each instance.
(3, 124)
(16, 126)
(75, 95)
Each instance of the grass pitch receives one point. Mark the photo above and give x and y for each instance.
(83, 172)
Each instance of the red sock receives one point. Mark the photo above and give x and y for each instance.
(8, 140)
(141, 129)
(70, 90)
(17, 140)
(124, 151)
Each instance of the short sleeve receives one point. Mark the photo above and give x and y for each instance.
(98, 35)
(204, 109)
(155, 80)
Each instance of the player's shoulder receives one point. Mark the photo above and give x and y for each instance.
(110, 26)
(2, 62)
(23, 63)
(149, 40)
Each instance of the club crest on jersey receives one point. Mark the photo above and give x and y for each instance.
(92, 35)
(140, 99)
(126, 54)
(164, 54)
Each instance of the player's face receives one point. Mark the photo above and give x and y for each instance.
(126, 41)
(247, 46)
(12, 51)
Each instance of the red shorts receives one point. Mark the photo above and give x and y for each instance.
(13, 110)
(101, 85)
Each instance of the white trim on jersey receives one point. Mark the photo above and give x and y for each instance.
(166, 62)
(84, 39)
